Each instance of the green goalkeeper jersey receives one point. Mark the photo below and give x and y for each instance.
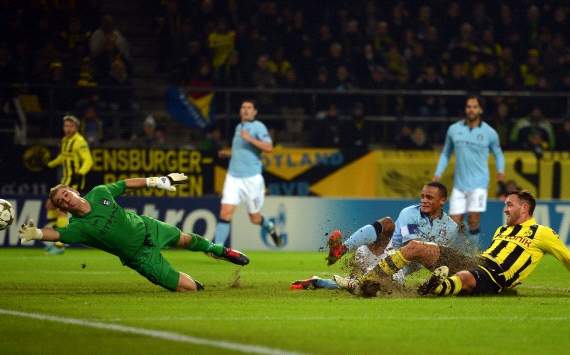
(108, 226)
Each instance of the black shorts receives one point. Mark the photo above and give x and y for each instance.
(489, 277)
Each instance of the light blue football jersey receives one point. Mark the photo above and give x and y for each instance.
(412, 224)
(246, 158)
(471, 147)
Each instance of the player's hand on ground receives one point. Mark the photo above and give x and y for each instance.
(166, 182)
(28, 232)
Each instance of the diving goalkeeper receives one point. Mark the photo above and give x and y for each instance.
(100, 222)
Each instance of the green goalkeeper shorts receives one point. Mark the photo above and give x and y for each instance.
(150, 263)
(162, 235)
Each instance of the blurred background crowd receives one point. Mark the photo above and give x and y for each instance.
(336, 73)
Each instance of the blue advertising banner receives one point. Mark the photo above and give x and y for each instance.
(197, 215)
(305, 221)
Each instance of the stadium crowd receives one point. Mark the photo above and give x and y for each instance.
(338, 46)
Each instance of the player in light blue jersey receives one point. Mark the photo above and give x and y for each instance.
(471, 139)
(422, 233)
(244, 181)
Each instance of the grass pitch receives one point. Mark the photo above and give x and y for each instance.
(254, 306)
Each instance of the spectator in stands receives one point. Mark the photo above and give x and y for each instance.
(306, 67)
(325, 130)
(263, 78)
(107, 44)
(86, 77)
(279, 65)
(381, 38)
(222, 44)
(323, 43)
(344, 79)
(531, 70)
(412, 138)
(212, 141)
(335, 59)
(354, 132)
(533, 132)
(433, 46)
(120, 95)
(490, 80)
(431, 105)
(7, 65)
(92, 126)
(74, 35)
(353, 39)
(500, 120)
(293, 108)
(148, 138)
(563, 134)
(557, 57)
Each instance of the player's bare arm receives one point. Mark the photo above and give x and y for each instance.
(265, 147)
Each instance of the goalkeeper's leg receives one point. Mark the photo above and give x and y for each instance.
(195, 242)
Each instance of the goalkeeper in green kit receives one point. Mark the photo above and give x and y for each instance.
(98, 221)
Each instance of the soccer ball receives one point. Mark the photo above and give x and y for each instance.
(7, 214)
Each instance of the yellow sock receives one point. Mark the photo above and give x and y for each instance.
(51, 217)
(451, 286)
(62, 220)
(393, 263)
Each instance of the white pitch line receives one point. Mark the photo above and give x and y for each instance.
(160, 334)
(348, 318)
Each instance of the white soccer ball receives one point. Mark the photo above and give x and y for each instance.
(7, 214)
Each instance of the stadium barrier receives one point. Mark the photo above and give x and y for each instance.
(303, 221)
(325, 172)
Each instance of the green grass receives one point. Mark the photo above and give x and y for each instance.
(263, 311)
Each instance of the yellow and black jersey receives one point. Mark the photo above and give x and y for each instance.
(516, 250)
(76, 160)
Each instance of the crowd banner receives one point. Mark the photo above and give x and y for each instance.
(396, 173)
(324, 172)
(25, 170)
(305, 222)
(110, 165)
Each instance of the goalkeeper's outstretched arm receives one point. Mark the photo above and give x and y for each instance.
(29, 232)
(163, 182)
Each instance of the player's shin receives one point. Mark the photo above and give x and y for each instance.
(364, 235)
(387, 267)
(451, 286)
(199, 243)
(392, 263)
(266, 224)
(222, 232)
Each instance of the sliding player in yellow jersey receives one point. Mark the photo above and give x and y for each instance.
(515, 251)
(76, 161)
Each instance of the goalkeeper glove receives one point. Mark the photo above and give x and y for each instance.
(166, 182)
(29, 232)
